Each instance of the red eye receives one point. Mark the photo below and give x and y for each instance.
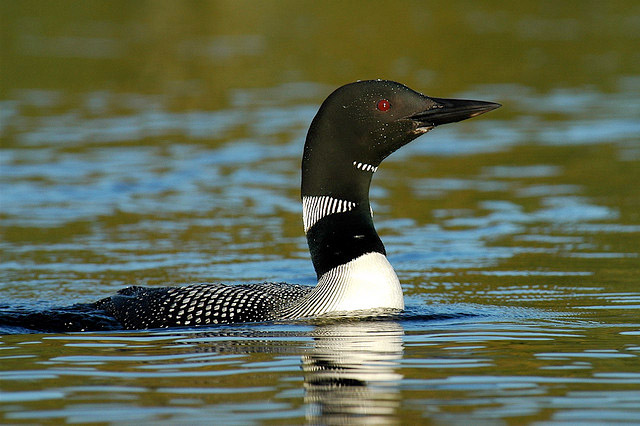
(384, 105)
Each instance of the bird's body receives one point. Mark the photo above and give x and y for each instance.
(357, 127)
(199, 304)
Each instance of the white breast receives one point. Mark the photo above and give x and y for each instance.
(365, 283)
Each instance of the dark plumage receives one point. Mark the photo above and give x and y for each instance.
(199, 304)
(357, 127)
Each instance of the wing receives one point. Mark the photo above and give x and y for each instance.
(199, 304)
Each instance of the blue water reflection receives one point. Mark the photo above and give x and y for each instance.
(159, 144)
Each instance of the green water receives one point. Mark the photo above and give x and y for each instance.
(157, 143)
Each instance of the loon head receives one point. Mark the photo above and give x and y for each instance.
(362, 123)
(356, 127)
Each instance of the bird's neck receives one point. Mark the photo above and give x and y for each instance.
(348, 256)
(336, 210)
(338, 231)
(347, 253)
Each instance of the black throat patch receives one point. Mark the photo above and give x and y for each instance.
(341, 237)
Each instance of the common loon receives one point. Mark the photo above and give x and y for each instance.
(356, 127)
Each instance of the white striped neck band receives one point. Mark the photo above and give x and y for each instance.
(315, 208)
(365, 167)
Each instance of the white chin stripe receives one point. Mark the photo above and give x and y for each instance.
(365, 167)
(315, 208)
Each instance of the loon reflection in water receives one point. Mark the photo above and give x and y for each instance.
(356, 127)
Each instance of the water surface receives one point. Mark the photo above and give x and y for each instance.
(159, 143)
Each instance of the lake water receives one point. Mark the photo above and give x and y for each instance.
(157, 143)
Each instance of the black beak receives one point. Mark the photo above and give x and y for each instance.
(451, 110)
